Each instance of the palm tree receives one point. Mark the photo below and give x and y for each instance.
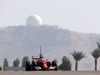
(96, 54)
(98, 44)
(77, 56)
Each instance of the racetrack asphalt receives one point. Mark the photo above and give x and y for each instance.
(50, 73)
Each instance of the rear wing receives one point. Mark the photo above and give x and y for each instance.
(35, 57)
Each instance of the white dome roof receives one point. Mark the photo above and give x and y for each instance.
(34, 20)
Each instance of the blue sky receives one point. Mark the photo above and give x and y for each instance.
(76, 15)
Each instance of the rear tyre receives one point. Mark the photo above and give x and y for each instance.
(28, 66)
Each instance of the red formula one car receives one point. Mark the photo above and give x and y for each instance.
(39, 64)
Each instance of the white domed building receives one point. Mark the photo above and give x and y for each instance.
(34, 20)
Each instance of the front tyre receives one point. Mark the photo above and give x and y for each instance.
(54, 64)
(28, 66)
(33, 66)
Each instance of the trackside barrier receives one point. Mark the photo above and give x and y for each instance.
(7, 68)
